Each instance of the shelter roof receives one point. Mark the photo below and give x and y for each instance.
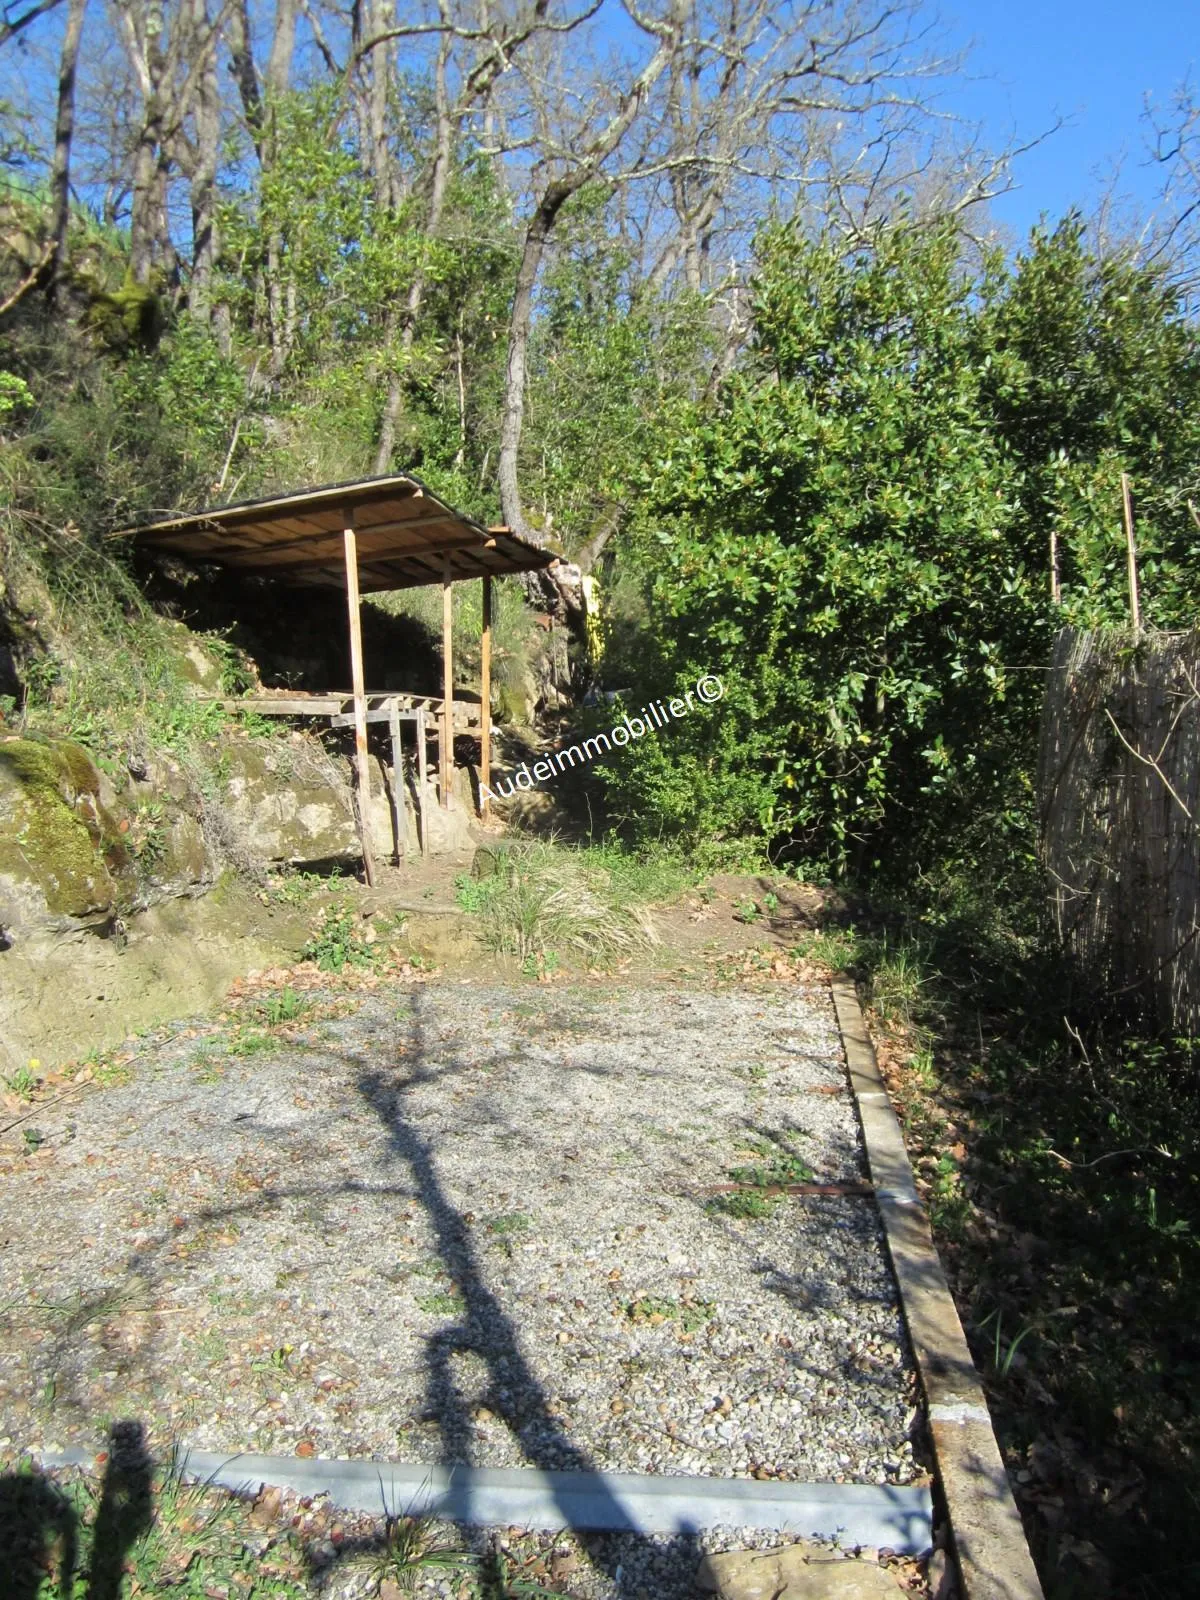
(403, 533)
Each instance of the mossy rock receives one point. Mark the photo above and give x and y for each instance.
(58, 843)
(514, 705)
(198, 661)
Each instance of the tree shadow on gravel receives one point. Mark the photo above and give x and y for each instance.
(486, 1333)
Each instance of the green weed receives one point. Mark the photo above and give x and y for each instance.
(278, 1360)
(302, 888)
(780, 1168)
(690, 1315)
(337, 942)
(22, 1083)
(251, 1043)
(442, 1303)
(283, 1007)
(509, 1224)
(743, 1203)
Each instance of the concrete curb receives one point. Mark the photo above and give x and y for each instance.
(853, 1513)
(989, 1540)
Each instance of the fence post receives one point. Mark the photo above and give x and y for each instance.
(1135, 608)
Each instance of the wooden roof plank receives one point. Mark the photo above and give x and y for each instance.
(404, 532)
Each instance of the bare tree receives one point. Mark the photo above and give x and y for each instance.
(169, 56)
(200, 153)
(1175, 239)
(735, 104)
(473, 53)
(570, 168)
(261, 92)
(10, 26)
(64, 132)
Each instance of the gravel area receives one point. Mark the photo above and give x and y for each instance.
(452, 1222)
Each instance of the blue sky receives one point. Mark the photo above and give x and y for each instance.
(1091, 61)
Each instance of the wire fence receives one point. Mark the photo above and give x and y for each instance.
(1119, 801)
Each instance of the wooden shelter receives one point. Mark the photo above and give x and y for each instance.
(367, 536)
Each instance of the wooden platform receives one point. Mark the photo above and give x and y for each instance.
(338, 703)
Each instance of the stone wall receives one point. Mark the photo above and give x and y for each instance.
(127, 900)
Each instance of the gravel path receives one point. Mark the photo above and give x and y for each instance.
(452, 1222)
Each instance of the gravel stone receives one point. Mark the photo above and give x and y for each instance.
(466, 1224)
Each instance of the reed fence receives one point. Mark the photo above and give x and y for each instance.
(1119, 799)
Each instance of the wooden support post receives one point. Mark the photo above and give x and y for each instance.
(485, 698)
(446, 742)
(1135, 604)
(362, 761)
(399, 808)
(423, 778)
(1055, 578)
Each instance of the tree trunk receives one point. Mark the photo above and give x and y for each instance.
(439, 178)
(513, 416)
(205, 239)
(64, 131)
(241, 65)
(143, 222)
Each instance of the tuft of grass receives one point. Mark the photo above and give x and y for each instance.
(837, 948)
(109, 1069)
(412, 1550)
(538, 901)
(206, 1065)
(898, 982)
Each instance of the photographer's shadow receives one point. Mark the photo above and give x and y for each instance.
(39, 1525)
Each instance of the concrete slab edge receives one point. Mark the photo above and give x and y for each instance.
(988, 1537)
(892, 1518)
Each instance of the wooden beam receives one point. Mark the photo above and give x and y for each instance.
(485, 697)
(399, 808)
(295, 547)
(446, 742)
(362, 761)
(422, 777)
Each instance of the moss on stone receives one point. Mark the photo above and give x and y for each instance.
(78, 768)
(55, 835)
(44, 842)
